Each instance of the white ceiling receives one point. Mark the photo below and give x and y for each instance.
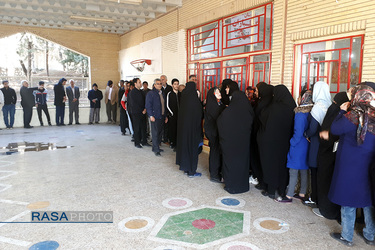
(109, 16)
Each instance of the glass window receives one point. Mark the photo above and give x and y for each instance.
(336, 62)
(249, 31)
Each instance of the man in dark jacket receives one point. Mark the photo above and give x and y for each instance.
(156, 110)
(9, 108)
(60, 99)
(27, 103)
(95, 96)
(166, 88)
(172, 108)
(41, 98)
(137, 110)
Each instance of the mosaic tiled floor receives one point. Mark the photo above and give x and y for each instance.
(202, 225)
(155, 206)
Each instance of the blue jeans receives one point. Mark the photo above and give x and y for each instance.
(348, 216)
(9, 110)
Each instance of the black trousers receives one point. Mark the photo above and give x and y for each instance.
(124, 123)
(165, 134)
(156, 129)
(172, 127)
(45, 110)
(215, 158)
(27, 115)
(139, 128)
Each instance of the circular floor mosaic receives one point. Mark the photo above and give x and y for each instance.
(177, 203)
(238, 245)
(271, 225)
(38, 205)
(230, 202)
(136, 224)
(45, 245)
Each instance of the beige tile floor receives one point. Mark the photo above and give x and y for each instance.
(103, 171)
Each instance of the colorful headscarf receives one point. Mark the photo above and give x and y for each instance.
(306, 103)
(322, 101)
(362, 111)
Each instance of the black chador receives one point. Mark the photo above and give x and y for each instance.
(172, 107)
(326, 160)
(276, 129)
(214, 107)
(189, 129)
(234, 126)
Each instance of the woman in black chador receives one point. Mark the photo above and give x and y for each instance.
(214, 107)
(276, 129)
(234, 126)
(326, 159)
(264, 92)
(189, 130)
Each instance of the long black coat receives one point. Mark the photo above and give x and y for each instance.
(273, 139)
(234, 126)
(326, 160)
(189, 129)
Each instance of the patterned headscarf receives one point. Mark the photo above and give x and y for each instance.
(306, 103)
(362, 111)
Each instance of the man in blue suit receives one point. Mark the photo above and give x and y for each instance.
(73, 96)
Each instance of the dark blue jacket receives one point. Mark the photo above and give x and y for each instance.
(92, 95)
(153, 104)
(41, 96)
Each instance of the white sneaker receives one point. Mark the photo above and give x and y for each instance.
(253, 181)
(317, 212)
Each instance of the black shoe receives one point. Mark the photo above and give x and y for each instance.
(146, 145)
(41, 125)
(138, 146)
(123, 133)
(97, 122)
(49, 124)
(157, 154)
(265, 193)
(161, 150)
(70, 123)
(28, 126)
(132, 140)
(90, 123)
(77, 123)
(368, 242)
(62, 124)
(338, 237)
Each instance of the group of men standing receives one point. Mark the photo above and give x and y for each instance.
(38, 96)
(156, 108)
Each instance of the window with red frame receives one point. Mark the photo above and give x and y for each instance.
(338, 62)
(246, 32)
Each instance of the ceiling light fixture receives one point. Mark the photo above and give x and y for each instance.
(96, 19)
(83, 28)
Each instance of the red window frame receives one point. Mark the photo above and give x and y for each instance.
(223, 35)
(340, 50)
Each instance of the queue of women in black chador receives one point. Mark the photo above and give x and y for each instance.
(328, 146)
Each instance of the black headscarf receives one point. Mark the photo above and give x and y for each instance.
(234, 125)
(189, 129)
(265, 95)
(214, 108)
(224, 96)
(273, 138)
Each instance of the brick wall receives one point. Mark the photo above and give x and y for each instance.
(101, 48)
